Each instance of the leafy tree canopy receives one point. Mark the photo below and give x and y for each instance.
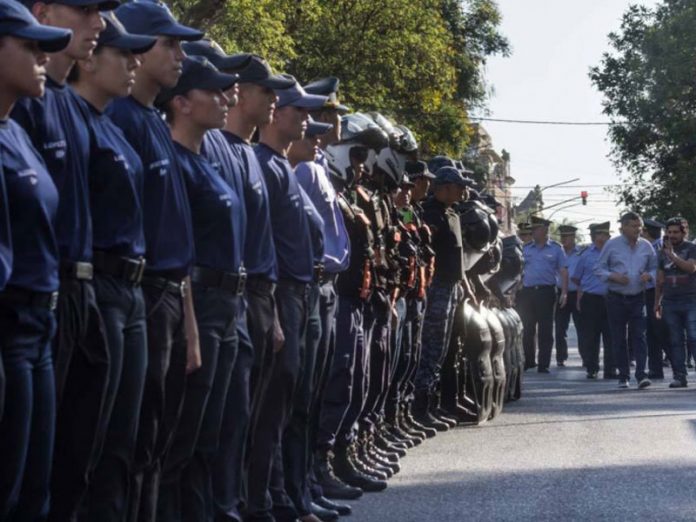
(649, 86)
(418, 62)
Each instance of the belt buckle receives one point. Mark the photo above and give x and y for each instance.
(84, 271)
(139, 272)
(53, 301)
(241, 282)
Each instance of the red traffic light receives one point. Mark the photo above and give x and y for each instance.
(583, 196)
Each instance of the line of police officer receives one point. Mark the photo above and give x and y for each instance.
(197, 328)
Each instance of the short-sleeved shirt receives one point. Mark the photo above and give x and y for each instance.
(289, 221)
(166, 212)
(542, 264)
(677, 282)
(259, 248)
(572, 258)
(57, 127)
(32, 207)
(115, 188)
(215, 211)
(5, 237)
(314, 179)
(584, 272)
(316, 227)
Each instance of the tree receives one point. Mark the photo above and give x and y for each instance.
(649, 87)
(419, 62)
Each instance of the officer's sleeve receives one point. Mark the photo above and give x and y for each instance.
(601, 269)
(577, 274)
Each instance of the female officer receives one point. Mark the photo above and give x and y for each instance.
(115, 188)
(196, 105)
(28, 301)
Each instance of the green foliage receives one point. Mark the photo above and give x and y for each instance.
(649, 89)
(420, 63)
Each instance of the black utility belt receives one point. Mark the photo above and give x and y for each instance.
(13, 295)
(539, 287)
(260, 284)
(76, 270)
(298, 287)
(174, 286)
(127, 269)
(618, 294)
(229, 281)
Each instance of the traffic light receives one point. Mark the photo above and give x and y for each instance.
(583, 196)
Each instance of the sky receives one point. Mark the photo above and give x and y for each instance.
(554, 44)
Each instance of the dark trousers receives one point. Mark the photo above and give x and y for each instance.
(265, 476)
(378, 378)
(2, 388)
(627, 321)
(228, 463)
(165, 382)
(122, 307)
(411, 345)
(595, 326)
(536, 306)
(185, 492)
(340, 390)
(437, 327)
(657, 336)
(27, 427)
(399, 359)
(680, 317)
(562, 321)
(82, 378)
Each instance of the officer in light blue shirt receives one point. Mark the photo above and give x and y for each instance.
(627, 263)
(544, 260)
(563, 314)
(592, 306)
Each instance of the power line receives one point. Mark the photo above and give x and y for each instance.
(546, 122)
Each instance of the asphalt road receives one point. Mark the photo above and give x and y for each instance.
(571, 449)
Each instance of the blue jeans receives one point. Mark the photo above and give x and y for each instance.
(628, 312)
(27, 427)
(680, 316)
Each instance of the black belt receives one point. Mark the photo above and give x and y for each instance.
(76, 270)
(618, 294)
(125, 268)
(319, 273)
(260, 283)
(297, 286)
(228, 281)
(170, 285)
(539, 287)
(21, 296)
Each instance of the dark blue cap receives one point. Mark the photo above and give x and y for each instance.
(440, 161)
(104, 5)
(316, 128)
(115, 35)
(218, 57)
(154, 18)
(198, 73)
(295, 96)
(418, 169)
(327, 87)
(652, 223)
(16, 20)
(259, 72)
(446, 175)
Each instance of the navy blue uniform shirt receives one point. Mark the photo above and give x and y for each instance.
(116, 188)
(259, 249)
(216, 213)
(289, 220)
(33, 206)
(5, 238)
(167, 216)
(57, 127)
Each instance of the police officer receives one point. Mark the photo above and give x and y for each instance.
(563, 314)
(592, 307)
(28, 301)
(273, 444)
(196, 104)
(656, 331)
(172, 334)
(56, 125)
(115, 183)
(544, 260)
(449, 188)
(524, 232)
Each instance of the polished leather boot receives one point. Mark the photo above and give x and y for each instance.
(347, 472)
(422, 414)
(367, 469)
(332, 486)
(342, 509)
(415, 425)
(437, 412)
(323, 514)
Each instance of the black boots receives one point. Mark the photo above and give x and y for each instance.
(332, 486)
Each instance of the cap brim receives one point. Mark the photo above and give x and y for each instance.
(50, 39)
(308, 101)
(104, 5)
(272, 82)
(233, 62)
(221, 81)
(182, 32)
(137, 44)
(317, 129)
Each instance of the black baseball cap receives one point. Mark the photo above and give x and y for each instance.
(259, 72)
(198, 73)
(16, 20)
(218, 57)
(115, 35)
(153, 18)
(104, 5)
